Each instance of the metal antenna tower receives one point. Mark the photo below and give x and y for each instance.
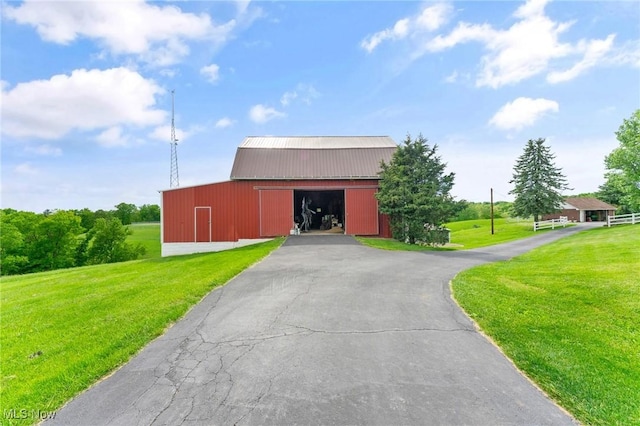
(173, 177)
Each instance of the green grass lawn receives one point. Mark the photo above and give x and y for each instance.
(63, 330)
(568, 315)
(147, 234)
(466, 234)
(470, 234)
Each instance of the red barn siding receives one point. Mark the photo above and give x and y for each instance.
(276, 212)
(247, 214)
(177, 215)
(220, 198)
(362, 212)
(235, 207)
(203, 224)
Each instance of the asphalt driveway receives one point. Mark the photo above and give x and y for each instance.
(326, 331)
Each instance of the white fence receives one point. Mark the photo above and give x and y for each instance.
(546, 224)
(632, 218)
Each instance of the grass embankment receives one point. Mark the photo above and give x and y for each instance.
(64, 330)
(470, 234)
(147, 234)
(466, 234)
(568, 315)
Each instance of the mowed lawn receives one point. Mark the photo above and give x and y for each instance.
(470, 234)
(63, 330)
(467, 234)
(568, 315)
(147, 234)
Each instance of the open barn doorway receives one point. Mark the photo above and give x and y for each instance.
(327, 207)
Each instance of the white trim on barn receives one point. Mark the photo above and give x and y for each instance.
(161, 219)
(175, 249)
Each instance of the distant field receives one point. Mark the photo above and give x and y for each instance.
(63, 330)
(466, 234)
(568, 315)
(147, 234)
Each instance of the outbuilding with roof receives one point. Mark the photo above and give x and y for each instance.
(336, 177)
(584, 209)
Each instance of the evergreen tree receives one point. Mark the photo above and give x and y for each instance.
(538, 182)
(414, 192)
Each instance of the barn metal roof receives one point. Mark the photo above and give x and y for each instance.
(311, 157)
(317, 142)
(588, 203)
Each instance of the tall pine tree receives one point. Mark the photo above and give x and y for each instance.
(538, 183)
(414, 191)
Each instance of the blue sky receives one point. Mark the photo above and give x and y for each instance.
(86, 88)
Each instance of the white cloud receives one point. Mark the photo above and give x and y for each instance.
(462, 33)
(451, 78)
(113, 137)
(242, 6)
(224, 122)
(45, 150)
(398, 31)
(435, 16)
(594, 51)
(286, 99)
(163, 133)
(168, 72)
(525, 49)
(306, 93)
(211, 72)
(261, 114)
(522, 112)
(84, 100)
(430, 19)
(531, 8)
(154, 33)
(626, 54)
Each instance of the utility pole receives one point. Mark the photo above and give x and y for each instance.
(174, 181)
(491, 211)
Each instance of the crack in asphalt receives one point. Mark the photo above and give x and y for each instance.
(184, 353)
(208, 374)
(293, 301)
(254, 404)
(381, 331)
(230, 379)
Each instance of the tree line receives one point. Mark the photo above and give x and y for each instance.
(415, 191)
(35, 242)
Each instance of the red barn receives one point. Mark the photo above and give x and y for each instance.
(270, 178)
